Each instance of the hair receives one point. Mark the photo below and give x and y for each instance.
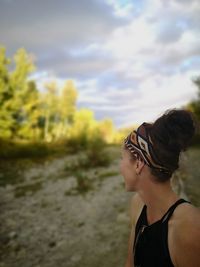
(171, 134)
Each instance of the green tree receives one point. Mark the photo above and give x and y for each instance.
(50, 109)
(67, 105)
(194, 105)
(6, 120)
(20, 87)
(14, 92)
(83, 128)
(29, 128)
(107, 130)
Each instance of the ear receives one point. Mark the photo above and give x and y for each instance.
(139, 166)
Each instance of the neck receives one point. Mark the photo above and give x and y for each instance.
(158, 197)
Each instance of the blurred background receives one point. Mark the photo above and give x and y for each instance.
(75, 78)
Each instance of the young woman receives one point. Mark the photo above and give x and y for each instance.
(166, 228)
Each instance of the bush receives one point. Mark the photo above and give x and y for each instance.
(196, 140)
(75, 144)
(97, 154)
(83, 182)
(94, 148)
(13, 150)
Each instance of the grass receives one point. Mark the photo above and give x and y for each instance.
(16, 150)
(92, 158)
(88, 160)
(81, 165)
(44, 203)
(10, 174)
(23, 189)
(83, 182)
(107, 174)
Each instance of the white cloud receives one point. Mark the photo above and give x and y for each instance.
(131, 60)
(126, 42)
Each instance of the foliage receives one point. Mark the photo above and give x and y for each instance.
(25, 112)
(22, 190)
(97, 154)
(47, 116)
(68, 100)
(83, 182)
(50, 105)
(194, 105)
(10, 174)
(13, 150)
(108, 174)
(83, 130)
(106, 129)
(16, 93)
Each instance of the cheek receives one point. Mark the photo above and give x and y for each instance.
(125, 169)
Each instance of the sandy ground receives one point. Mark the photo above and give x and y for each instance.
(42, 224)
(49, 227)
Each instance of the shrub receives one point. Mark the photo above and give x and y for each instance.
(83, 182)
(13, 150)
(196, 140)
(96, 152)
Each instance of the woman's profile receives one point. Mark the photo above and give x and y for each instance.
(165, 228)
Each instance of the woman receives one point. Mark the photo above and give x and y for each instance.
(166, 228)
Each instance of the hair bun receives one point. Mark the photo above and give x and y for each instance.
(174, 130)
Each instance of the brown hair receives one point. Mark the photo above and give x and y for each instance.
(171, 133)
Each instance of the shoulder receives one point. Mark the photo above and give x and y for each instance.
(186, 236)
(136, 207)
(187, 217)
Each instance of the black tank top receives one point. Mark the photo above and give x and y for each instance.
(151, 241)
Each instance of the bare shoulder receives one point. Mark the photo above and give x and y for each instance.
(187, 215)
(186, 235)
(136, 207)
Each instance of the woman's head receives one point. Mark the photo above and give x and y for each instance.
(159, 144)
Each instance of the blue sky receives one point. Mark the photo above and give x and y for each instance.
(130, 60)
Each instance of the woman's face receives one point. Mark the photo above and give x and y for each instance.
(127, 169)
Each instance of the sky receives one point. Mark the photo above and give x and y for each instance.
(130, 60)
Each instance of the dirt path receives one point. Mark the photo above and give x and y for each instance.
(45, 226)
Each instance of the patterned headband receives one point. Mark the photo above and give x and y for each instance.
(139, 143)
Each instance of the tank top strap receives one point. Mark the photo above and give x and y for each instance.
(142, 220)
(170, 211)
(164, 223)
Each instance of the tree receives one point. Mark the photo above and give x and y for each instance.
(29, 128)
(20, 87)
(6, 120)
(67, 105)
(107, 130)
(50, 108)
(14, 92)
(84, 127)
(194, 105)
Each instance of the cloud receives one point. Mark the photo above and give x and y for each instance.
(169, 32)
(127, 8)
(55, 24)
(130, 60)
